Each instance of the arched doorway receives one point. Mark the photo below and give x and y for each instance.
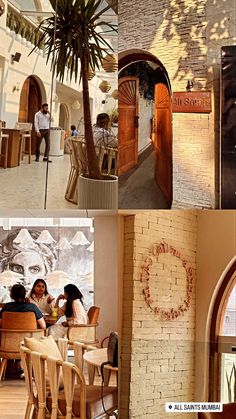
(64, 117)
(31, 98)
(223, 340)
(143, 77)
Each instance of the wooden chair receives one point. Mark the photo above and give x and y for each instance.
(78, 162)
(15, 326)
(106, 156)
(229, 412)
(75, 399)
(85, 333)
(4, 144)
(25, 134)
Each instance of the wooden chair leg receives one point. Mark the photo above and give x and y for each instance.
(29, 150)
(3, 368)
(6, 154)
(28, 411)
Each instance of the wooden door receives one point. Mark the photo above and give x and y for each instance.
(30, 103)
(24, 98)
(128, 124)
(162, 140)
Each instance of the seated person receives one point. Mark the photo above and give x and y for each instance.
(73, 309)
(21, 304)
(74, 132)
(102, 134)
(40, 297)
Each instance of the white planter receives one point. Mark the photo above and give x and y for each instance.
(98, 194)
(13, 34)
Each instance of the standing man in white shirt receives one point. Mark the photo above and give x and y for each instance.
(42, 123)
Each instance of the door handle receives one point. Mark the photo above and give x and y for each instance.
(136, 121)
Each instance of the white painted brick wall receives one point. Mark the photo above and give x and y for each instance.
(157, 356)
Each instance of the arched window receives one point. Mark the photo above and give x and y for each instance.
(222, 384)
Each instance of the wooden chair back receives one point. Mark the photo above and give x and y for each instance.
(19, 321)
(93, 314)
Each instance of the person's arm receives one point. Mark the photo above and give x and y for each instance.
(51, 302)
(36, 124)
(41, 323)
(61, 310)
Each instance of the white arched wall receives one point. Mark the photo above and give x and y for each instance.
(216, 249)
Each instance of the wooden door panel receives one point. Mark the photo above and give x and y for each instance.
(128, 129)
(163, 140)
(24, 96)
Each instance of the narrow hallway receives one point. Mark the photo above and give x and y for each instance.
(138, 189)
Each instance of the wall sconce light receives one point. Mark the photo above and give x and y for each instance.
(15, 57)
(16, 88)
(189, 86)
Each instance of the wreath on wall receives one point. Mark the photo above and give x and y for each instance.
(172, 313)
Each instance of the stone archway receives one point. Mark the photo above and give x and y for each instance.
(31, 98)
(225, 286)
(132, 114)
(64, 117)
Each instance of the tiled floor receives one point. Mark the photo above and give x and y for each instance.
(24, 186)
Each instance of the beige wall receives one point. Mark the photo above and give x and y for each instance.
(216, 249)
(105, 273)
(157, 361)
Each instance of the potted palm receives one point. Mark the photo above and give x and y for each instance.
(77, 35)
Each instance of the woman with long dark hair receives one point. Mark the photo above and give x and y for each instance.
(73, 309)
(40, 296)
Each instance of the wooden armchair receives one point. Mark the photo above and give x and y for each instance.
(229, 412)
(78, 165)
(15, 326)
(75, 399)
(85, 333)
(4, 143)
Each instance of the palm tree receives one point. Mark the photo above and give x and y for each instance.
(77, 34)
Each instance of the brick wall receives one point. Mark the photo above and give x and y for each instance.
(186, 36)
(157, 357)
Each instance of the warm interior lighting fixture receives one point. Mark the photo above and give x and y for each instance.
(91, 248)
(79, 239)
(63, 244)
(45, 238)
(24, 239)
(15, 57)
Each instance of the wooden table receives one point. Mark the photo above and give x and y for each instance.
(14, 145)
(95, 359)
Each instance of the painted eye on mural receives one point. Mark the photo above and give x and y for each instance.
(35, 269)
(17, 268)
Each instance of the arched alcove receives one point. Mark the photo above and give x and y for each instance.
(145, 111)
(220, 342)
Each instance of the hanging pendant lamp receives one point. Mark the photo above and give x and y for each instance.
(115, 94)
(91, 248)
(63, 244)
(104, 86)
(110, 63)
(45, 238)
(79, 239)
(24, 239)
